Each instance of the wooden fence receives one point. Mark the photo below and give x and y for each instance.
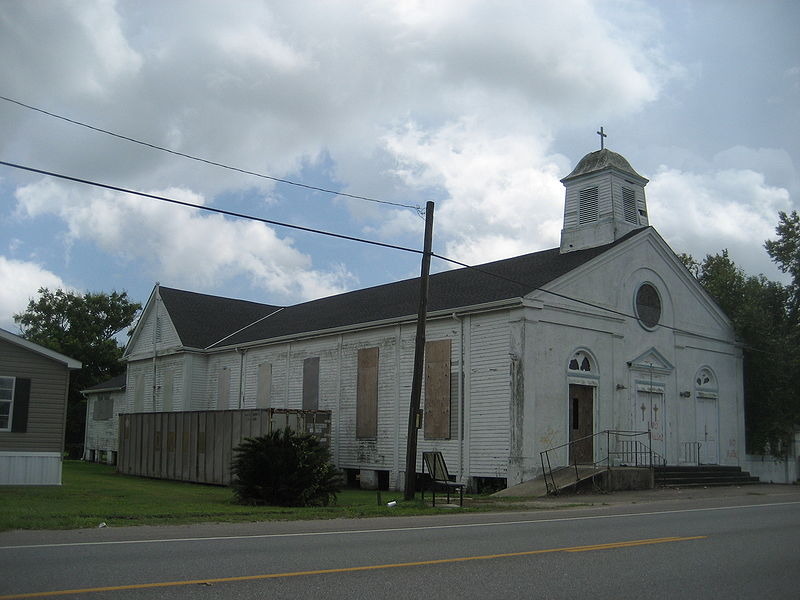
(198, 445)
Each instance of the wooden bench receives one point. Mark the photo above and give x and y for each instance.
(439, 478)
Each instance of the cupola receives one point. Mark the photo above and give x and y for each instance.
(604, 201)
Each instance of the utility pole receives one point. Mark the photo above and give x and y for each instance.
(419, 356)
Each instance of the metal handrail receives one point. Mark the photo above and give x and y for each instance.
(636, 450)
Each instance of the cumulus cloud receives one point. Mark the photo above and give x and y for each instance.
(705, 212)
(502, 192)
(21, 280)
(181, 245)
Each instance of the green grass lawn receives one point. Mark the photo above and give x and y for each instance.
(93, 493)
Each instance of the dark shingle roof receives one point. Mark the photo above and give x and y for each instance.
(115, 383)
(203, 321)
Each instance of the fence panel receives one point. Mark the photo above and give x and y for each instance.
(198, 446)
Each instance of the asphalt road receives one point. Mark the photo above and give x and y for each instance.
(737, 544)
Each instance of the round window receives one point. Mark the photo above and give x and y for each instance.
(648, 305)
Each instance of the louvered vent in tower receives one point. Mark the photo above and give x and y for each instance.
(587, 205)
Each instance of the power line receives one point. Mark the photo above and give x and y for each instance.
(208, 208)
(529, 287)
(417, 208)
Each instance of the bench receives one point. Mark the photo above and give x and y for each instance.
(439, 478)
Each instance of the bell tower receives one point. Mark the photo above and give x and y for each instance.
(604, 201)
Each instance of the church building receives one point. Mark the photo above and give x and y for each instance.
(608, 332)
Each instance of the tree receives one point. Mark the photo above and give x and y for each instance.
(82, 327)
(785, 252)
(760, 312)
(284, 468)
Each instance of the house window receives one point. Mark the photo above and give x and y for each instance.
(437, 390)
(311, 383)
(6, 402)
(588, 200)
(648, 305)
(367, 394)
(629, 205)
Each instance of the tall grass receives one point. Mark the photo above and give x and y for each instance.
(92, 494)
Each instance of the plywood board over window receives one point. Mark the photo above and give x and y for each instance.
(263, 385)
(367, 394)
(437, 390)
(311, 383)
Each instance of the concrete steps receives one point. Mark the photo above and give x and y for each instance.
(701, 476)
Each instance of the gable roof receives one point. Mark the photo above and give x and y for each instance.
(204, 321)
(68, 362)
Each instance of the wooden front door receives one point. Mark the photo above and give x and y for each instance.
(581, 424)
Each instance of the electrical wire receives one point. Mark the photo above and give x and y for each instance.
(528, 287)
(419, 209)
(208, 208)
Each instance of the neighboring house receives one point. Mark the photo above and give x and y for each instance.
(104, 402)
(34, 385)
(609, 331)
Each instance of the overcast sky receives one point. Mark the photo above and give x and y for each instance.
(481, 107)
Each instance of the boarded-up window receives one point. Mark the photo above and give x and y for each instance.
(138, 393)
(263, 385)
(367, 394)
(168, 390)
(311, 383)
(103, 407)
(437, 390)
(223, 388)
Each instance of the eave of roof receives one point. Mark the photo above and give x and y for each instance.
(114, 384)
(70, 363)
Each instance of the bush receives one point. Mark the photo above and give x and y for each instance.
(284, 468)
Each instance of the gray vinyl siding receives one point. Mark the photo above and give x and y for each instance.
(490, 395)
(48, 399)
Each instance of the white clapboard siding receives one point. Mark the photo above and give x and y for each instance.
(489, 426)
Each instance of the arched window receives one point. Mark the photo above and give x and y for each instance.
(706, 380)
(582, 362)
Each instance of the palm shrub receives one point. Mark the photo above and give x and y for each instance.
(284, 468)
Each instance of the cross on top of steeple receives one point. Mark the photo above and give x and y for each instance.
(602, 138)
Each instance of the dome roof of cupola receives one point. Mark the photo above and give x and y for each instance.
(601, 160)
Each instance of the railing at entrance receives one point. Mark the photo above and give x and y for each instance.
(622, 448)
(690, 453)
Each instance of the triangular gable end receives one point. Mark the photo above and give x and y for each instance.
(153, 322)
(652, 361)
